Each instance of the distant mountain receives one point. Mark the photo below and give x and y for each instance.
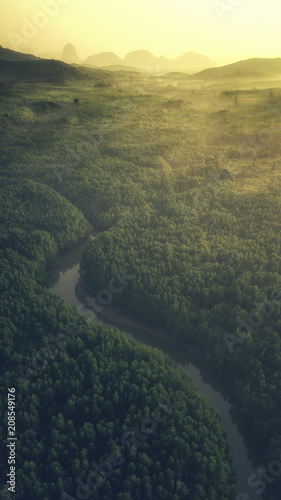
(140, 59)
(69, 54)
(12, 55)
(194, 61)
(190, 61)
(49, 71)
(103, 59)
(257, 68)
(146, 61)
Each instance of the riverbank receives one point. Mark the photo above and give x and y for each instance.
(112, 314)
(67, 285)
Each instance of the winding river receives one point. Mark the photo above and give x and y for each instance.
(64, 278)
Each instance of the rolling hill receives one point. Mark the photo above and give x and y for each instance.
(258, 67)
(48, 71)
(12, 55)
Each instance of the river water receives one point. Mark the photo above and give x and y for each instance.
(64, 277)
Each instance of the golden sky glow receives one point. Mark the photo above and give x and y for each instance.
(223, 30)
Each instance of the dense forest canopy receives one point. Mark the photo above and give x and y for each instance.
(80, 390)
(183, 180)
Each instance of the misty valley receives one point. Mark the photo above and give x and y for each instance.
(140, 301)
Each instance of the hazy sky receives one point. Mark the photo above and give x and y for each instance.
(224, 30)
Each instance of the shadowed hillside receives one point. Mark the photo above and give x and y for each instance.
(12, 55)
(47, 71)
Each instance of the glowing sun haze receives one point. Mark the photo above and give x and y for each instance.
(223, 30)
